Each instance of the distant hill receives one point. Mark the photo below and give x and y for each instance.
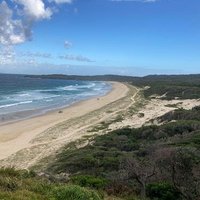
(142, 80)
(168, 86)
(86, 78)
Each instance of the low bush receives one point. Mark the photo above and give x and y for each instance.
(162, 191)
(73, 192)
(90, 181)
(22, 195)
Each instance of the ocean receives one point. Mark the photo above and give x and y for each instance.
(22, 97)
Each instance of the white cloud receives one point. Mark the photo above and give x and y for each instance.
(7, 55)
(78, 58)
(12, 31)
(67, 44)
(16, 23)
(35, 55)
(35, 9)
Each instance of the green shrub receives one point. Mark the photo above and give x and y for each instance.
(73, 192)
(9, 172)
(90, 181)
(8, 183)
(22, 195)
(162, 191)
(38, 186)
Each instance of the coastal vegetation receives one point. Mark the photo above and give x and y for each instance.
(156, 162)
(150, 162)
(26, 185)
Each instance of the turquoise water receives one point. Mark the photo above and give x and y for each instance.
(19, 94)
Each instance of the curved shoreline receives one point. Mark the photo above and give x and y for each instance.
(17, 116)
(18, 135)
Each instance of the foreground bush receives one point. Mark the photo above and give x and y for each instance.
(162, 191)
(22, 195)
(24, 185)
(74, 192)
(90, 181)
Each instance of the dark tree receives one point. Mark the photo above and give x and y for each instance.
(180, 167)
(139, 170)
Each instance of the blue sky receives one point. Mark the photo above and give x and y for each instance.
(130, 37)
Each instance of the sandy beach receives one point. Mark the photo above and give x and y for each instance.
(19, 135)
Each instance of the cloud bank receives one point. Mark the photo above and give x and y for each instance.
(17, 18)
(12, 31)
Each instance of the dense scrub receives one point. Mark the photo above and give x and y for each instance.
(171, 87)
(159, 162)
(24, 185)
(155, 162)
(181, 114)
